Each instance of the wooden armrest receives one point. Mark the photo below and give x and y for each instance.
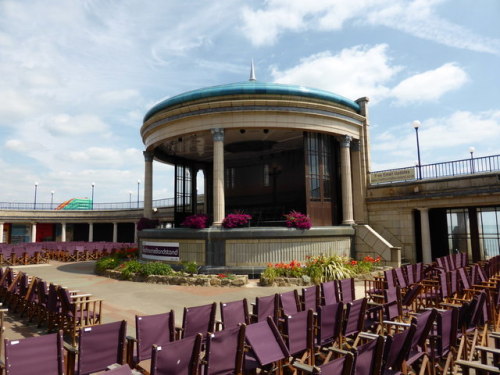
(495, 335)
(132, 339)
(399, 324)
(368, 335)
(488, 349)
(478, 366)
(450, 304)
(70, 348)
(81, 295)
(306, 368)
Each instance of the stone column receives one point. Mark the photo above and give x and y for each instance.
(33, 232)
(148, 184)
(1, 232)
(358, 190)
(218, 177)
(426, 235)
(115, 232)
(91, 232)
(63, 232)
(345, 175)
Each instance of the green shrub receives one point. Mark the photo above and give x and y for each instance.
(107, 263)
(156, 268)
(130, 268)
(190, 267)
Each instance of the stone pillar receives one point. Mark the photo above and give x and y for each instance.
(358, 190)
(148, 184)
(33, 232)
(218, 168)
(115, 232)
(345, 175)
(135, 234)
(426, 235)
(91, 232)
(1, 232)
(63, 232)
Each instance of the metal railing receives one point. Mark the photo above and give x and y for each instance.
(485, 164)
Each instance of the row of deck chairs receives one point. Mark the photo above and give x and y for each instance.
(47, 304)
(42, 252)
(318, 329)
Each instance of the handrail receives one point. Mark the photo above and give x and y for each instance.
(485, 164)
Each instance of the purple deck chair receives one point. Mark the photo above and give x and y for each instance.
(157, 329)
(354, 319)
(329, 292)
(423, 323)
(443, 339)
(299, 332)
(99, 347)
(347, 292)
(267, 346)
(310, 297)
(369, 357)
(329, 324)
(398, 352)
(224, 351)
(289, 303)
(234, 313)
(181, 357)
(266, 306)
(198, 319)
(43, 353)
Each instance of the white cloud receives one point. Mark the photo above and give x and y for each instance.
(346, 72)
(79, 125)
(418, 18)
(430, 85)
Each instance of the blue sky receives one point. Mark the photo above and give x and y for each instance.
(77, 77)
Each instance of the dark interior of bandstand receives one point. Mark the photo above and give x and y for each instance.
(267, 173)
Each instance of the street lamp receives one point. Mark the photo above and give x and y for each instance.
(51, 199)
(36, 188)
(93, 185)
(416, 125)
(471, 150)
(130, 198)
(138, 186)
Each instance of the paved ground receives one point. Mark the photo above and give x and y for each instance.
(125, 299)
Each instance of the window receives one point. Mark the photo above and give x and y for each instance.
(319, 159)
(266, 175)
(489, 231)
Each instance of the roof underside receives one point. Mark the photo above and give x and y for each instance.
(249, 88)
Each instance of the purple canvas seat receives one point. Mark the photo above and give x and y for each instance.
(310, 297)
(398, 351)
(39, 354)
(157, 329)
(347, 291)
(329, 292)
(299, 332)
(234, 313)
(264, 307)
(442, 340)
(267, 347)
(354, 319)
(224, 351)
(289, 303)
(181, 357)
(98, 348)
(329, 324)
(423, 322)
(198, 319)
(369, 357)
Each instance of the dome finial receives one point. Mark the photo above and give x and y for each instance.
(252, 73)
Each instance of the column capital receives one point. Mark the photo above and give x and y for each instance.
(148, 156)
(345, 140)
(218, 134)
(356, 145)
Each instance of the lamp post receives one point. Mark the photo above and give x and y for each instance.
(93, 186)
(471, 150)
(130, 198)
(36, 188)
(138, 186)
(51, 199)
(416, 125)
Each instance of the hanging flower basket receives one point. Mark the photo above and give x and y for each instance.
(236, 220)
(298, 220)
(198, 221)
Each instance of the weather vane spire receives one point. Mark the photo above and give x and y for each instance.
(252, 73)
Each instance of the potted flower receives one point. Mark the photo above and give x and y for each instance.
(236, 220)
(198, 221)
(298, 220)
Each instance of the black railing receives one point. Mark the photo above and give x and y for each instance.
(485, 164)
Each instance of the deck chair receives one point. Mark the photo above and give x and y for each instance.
(181, 357)
(347, 291)
(98, 348)
(354, 320)
(399, 348)
(234, 313)
(329, 293)
(329, 325)
(267, 348)
(310, 298)
(198, 319)
(443, 340)
(264, 307)
(43, 353)
(224, 351)
(289, 303)
(298, 334)
(157, 329)
(340, 366)
(369, 357)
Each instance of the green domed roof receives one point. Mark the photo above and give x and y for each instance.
(251, 87)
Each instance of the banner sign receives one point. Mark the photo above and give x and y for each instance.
(394, 175)
(161, 251)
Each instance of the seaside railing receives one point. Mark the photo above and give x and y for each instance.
(485, 164)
